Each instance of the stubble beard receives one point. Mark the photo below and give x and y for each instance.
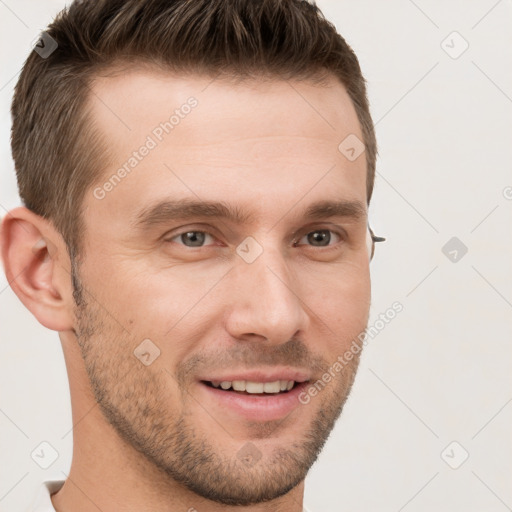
(132, 399)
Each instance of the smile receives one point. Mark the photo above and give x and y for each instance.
(253, 400)
(254, 388)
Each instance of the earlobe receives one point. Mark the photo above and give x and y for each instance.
(35, 264)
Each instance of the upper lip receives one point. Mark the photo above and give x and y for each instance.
(261, 375)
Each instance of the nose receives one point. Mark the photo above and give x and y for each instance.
(266, 302)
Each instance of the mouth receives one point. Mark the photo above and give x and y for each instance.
(255, 400)
(247, 387)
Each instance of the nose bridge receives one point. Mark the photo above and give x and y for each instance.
(267, 301)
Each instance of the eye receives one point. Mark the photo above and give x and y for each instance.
(320, 237)
(316, 238)
(192, 238)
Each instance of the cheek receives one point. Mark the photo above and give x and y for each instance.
(341, 305)
(174, 307)
(142, 293)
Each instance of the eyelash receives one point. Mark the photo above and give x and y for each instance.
(341, 235)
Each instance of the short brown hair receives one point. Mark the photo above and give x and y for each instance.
(57, 151)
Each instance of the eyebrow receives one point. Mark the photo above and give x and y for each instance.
(183, 209)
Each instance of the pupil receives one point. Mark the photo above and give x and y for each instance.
(323, 236)
(196, 237)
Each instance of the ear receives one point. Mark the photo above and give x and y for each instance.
(369, 243)
(37, 267)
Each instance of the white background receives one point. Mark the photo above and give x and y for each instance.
(440, 371)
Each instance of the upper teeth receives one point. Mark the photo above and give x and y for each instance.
(255, 387)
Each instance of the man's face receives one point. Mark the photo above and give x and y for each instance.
(281, 305)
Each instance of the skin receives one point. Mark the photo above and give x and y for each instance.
(147, 438)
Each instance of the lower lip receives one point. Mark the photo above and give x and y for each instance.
(256, 407)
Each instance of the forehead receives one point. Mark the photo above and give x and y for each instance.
(124, 97)
(143, 88)
(259, 142)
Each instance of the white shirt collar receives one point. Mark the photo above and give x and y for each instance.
(42, 501)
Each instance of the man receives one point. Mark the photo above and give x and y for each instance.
(196, 179)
